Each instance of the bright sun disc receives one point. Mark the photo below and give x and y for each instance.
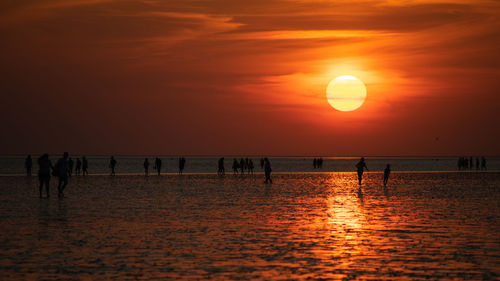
(346, 93)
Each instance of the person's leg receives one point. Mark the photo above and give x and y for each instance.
(360, 177)
(47, 187)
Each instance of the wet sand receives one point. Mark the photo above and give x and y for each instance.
(423, 226)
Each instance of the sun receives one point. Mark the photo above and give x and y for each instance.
(346, 93)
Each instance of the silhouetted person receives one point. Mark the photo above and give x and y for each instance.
(85, 166)
(387, 172)
(483, 163)
(235, 167)
(262, 163)
(250, 166)
(70, 167)
(315, 163)
(146, 167)
(242, 166)
(78, 166)
(112, 165)
(267, 170)
(62, 173)
(28, 164)
(320, 163)
(221, 171)
(44, 167)
(360, 168)
(158, 165)
(182, 163)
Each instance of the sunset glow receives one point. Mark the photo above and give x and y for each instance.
(218, 73)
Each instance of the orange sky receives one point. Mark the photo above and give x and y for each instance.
(248, 77)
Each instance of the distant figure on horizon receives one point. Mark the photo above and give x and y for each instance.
(85, 166)
(78, 166)
(267, 170)
(44, 167)
(236, 166)
(242, 166)
(483, 163)
(250, 166)
(387, 172)
(360, 168)
(221, 171)
(62, 173)
(157, 166)
(28, 164)
(182, 163)
(112, 165)
(70, 167)
(146, 167)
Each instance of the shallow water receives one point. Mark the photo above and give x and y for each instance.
(304, 226)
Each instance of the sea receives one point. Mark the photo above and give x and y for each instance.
(431, 222)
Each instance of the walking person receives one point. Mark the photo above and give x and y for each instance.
(146, 167)
(78, 166)
(267, 170)
(158, 165)
(221, 171)
(44, 167)
(360, 168)
(250, 166)
(112, 165)
(182, 163)
(387, 172)
(235, 166)
(85, 166)
(62, 173)
(28, 164)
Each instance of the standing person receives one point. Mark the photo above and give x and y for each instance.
(44, 166)
(315, 163)
(70, 167)
(146, 167)
(182, 163)
(78, 166)
(85, 166)
(112, 165)
(235, 166)
(221, 171)
(62, 174)
(387, 172)
(262, 163)
(250, 166)
(242, 166)
(267, 170)
(483, 163)
(360, 167)
(28, 164)
(158, 165)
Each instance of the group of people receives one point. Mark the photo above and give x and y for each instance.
(81, 166)
(318, 163)
(361, 166)
(468, 163)
(241, 166)
(61, 170)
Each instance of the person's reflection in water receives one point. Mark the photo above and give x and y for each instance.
(360, 168)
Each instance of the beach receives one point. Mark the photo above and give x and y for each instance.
(304, 226)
